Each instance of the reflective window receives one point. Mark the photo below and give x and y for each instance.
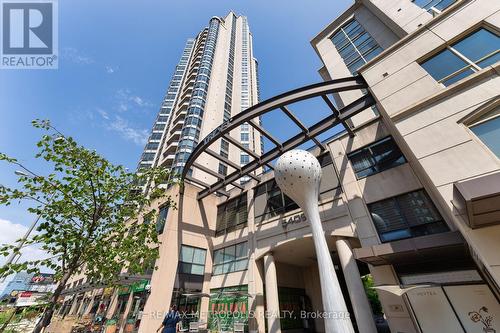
(488, 130)
(409, 215)
(376, 157)
(434, 6)
(469, 55)
(231, 259)
(192, 260)
(232, 215)
(162, 218)
(355, 45)
(269, 201)
(244, 159)
(222, 169)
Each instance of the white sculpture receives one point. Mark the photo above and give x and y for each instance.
(298, 174)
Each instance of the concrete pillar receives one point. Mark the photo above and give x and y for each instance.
(124, 317)
(272, 300)
(359, 301)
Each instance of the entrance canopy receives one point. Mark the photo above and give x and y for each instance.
(280, 102)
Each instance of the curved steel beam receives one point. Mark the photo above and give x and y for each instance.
(279, 101)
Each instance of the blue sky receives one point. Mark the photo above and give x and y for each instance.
(116, 60)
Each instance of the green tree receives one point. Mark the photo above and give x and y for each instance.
(372, 294)
(88, 211)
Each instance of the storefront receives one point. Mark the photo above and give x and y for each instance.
(228, 306)
(141, 293)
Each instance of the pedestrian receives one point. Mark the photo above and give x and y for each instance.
(169, 323)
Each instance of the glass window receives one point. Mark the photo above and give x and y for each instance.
(269, 201)
(245, 136)
(244, 159)
(469, 55)
(488, 130)
(232, 215)
(192, 260)
(429, 5)
(409, 215)
(222, 169)
(162, 218)
(231, 259)
(355, 45)
(379, 156)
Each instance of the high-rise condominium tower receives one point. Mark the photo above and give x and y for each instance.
(215, 79)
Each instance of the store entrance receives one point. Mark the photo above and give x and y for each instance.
(299, 290)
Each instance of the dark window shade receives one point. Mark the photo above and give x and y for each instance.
(408, 215)
(232, 215)
(376, 157)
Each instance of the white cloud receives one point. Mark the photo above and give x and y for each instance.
(75, 56)
(127, 101)
(103, 113)
(126, 131)
(10, 232)
(111, 70)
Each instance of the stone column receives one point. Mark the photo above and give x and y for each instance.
(359, 301)
(272, 301)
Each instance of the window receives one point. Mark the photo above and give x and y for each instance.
(355, 45)
(245, 136)
(487, 128)
(469, 55)
(152, 146)
(244, 159)
(224, 148)
(376, 157)
(270, 201)
(156, 136)
(232, 215)
(222, 169)
(192, 260)
(409, 215)
(162, 218)
(434, 6)
(231, 259)
(148, 156)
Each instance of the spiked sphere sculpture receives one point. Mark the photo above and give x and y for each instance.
(298, 174)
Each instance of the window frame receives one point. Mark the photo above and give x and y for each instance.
(159, 229)
(242, 198)
(408, 226)
(233, 261)
(368, 146)
(477, 117)
(432, 9)
(351, 42)
(181, 262)
(472, 65)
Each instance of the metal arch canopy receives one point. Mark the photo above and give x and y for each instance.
(279, 102)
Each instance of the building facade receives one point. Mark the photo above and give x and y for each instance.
(215, 78)
(410, 198)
